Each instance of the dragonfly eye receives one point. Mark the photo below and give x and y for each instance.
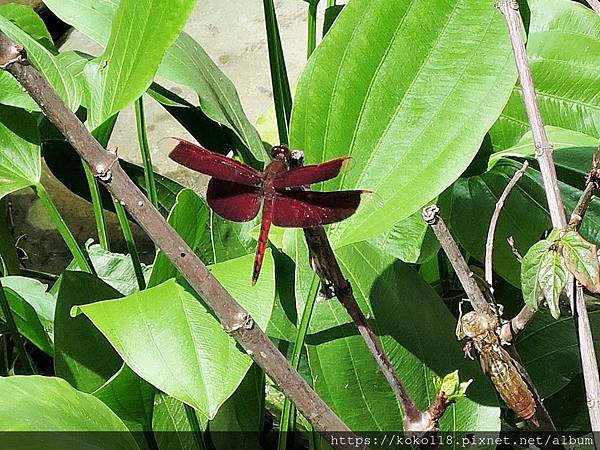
(280, 152)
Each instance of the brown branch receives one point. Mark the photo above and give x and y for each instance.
(510, 11)
(231, 315)
(489, 245)
(476, 297)
(326, 265)
(513, 248)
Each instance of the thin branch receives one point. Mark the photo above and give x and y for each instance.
(592, 184)
(543, 147)
(476, 297)
(489, 245)
(232, 316)
(513, 248)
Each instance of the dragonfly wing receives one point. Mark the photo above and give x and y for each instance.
(214, 164)
(305, 209)
(307, 175)
(233, 201)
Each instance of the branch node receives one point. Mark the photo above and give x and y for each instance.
(243, 320)
(431, 214)
(15, 53)
(104, 171)
(544, 149)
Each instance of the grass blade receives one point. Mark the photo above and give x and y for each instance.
(281, 87)
(97, 204)
(140, 120)
(312, 28)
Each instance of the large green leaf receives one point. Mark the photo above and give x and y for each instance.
(412, 116)
(417, 333)
(563, 49)
(550, 350)
(20, 163)
(171, 340)
(35, 403)
(185, 63)
(82, 354)
(142, 31)
(130, 398)
(43, 59)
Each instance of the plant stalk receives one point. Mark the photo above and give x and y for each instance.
(312, 28)
(98, 209)
(140, 120)
(130, 241)
(287, 415)
(81, 258)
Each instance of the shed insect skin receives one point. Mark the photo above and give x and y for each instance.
(481, 330)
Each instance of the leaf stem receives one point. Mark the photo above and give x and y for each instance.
(312, 28)
(330, 3)
(8, 250)
(80, 256)
(14, 332)
(98, 209)
(130, 241)
(287, 415)
(140, 120)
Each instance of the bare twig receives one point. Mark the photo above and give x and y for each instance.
(489, 245)
(513, 248)
(592, 184)
(543, 147)
(476, 297)
(231, 315)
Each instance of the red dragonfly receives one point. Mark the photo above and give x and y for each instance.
(237, 191)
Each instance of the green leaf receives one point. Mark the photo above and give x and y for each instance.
(171, 340)
(451, 386)
(82, 355)
(532, 268)
(142, 31)
(345, 373)
(552, 280)
(185, 63)
(581, 258)
(115, 269)
(29, 21)
(20, 163)
(43, 59)
(35, 294)
(563, 48)
(130, 398)
(550, 351)
(565, 143)
(35, 403)
(412, 117)
(27, 320)
(171, 424)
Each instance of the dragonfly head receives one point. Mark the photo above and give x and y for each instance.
(280, 152)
